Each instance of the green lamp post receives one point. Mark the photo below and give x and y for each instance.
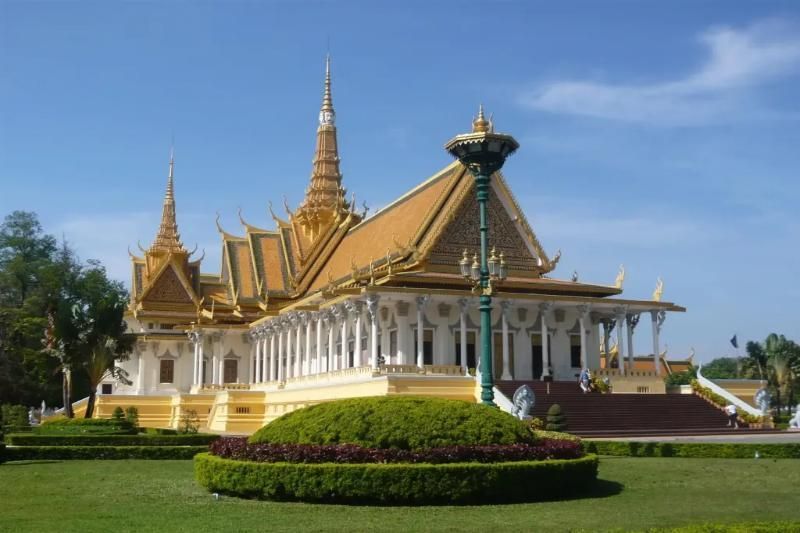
(483, 152)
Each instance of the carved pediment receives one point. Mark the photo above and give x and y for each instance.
(168, 288)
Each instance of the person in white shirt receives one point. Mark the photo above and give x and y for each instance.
(732, 417)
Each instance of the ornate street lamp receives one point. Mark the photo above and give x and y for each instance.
(483, 152)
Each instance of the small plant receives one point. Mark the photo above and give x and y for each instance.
(189, 422)
(118, 415)
(536, 424)
(556, 421)
(132, 416)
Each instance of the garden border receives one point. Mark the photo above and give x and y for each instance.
(394, 484)
(709, 450)
(40, 453)
(142, 439)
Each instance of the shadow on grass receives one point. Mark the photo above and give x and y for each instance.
(31, 462)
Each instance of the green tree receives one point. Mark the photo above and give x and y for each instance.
(723, 368)
(782, 356)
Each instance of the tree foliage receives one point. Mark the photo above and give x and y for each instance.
(776, 360)
(61, 320)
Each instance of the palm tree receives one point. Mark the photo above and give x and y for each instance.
(782, 361)
(102, 363)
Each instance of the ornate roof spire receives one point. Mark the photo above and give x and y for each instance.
(326, 114)
(168, 239)
(324, 199)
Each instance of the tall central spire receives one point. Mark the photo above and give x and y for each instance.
(168, 239)
(324, 199)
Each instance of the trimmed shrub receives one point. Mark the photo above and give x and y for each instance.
(189, 423)
(404, 422)
(238, 448)
(719, 401)
(393, 484)
(555, 435)
(40, 453)
(118, 414)
(83, 426)
(556, 421)
(28, 439)
(14, 415)
(692, 449)
(2, 453)
(132, 415)
(159, 431)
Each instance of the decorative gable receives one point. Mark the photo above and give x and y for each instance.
(168, 288)
(463, 232)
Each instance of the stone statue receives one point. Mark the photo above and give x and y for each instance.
(762, 399)
(794, 423)
(523, 401)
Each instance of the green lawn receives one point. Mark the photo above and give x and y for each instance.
(634, 494)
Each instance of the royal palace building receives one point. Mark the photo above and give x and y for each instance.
(333, 303)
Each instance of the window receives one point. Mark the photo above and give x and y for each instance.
(393, 344)
(427, 346)
(231, 371)
(106, 389)
(471, 342)
(575, 351)
(167, 371)
(497, 354)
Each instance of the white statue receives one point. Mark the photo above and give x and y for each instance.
(523, 401)
(794, 423)
(762, 398)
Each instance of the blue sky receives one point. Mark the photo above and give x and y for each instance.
(659, 135)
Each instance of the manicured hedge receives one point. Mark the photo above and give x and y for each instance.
(239, 449)
(37, 453)
(2, 452)
(28, 439)
(404, 422)
(693, 449)
(85, 426)
(393, 484)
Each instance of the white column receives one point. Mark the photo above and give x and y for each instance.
(255, 356)
(318, 359)
(216, 379)
(543, 309)
(331, 342)
(357, 355)
(193, 338)
(463, 306)
(620, 313)
(298, 347)
(140, 373)
(279, 354)
(305, 367)
(506, 376)
(631, 321)
(421, 301)
(273, 358)
(583, 312)
(372, 309)
(656, 322)
(343, 362)
(263, 363)
(221, 363)
(200, 378)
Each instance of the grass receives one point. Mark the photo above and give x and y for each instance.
(634, 494)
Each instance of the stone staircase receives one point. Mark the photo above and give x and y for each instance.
(620, 415)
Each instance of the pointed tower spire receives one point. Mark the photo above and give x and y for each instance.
(325, 196)
(168, 239)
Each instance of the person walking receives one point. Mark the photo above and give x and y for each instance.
(583, 380)
(733, 419)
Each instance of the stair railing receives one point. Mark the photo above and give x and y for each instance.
(738, 402)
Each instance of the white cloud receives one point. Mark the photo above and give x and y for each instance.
(719, 91)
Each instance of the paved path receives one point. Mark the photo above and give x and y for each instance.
(766, 438)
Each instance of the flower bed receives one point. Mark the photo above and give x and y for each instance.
(239, 449)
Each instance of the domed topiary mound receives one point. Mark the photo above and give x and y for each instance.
(404, 422)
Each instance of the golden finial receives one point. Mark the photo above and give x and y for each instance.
(659, 290)
(168, 237)
(620, 277)
(480, 124)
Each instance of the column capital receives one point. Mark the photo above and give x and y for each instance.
(621, 311)
(632, 319)
(545, 306)
(505, 305)
(583, 309)
(463, 304)
(422, 301)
